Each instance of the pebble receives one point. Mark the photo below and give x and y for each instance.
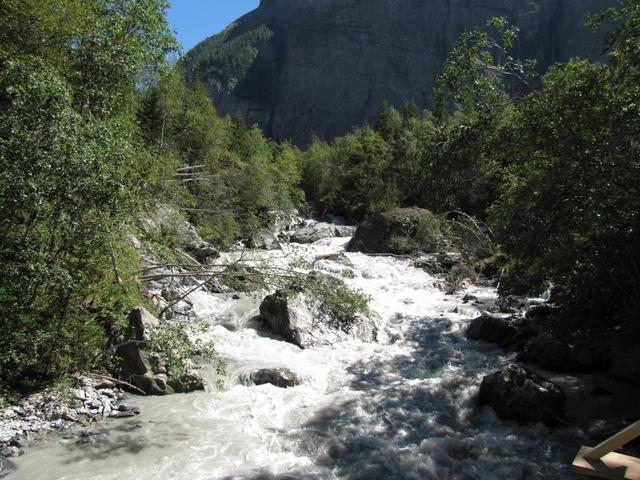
(48, 411)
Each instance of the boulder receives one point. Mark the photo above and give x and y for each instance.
(141, 324)
(549, 352)
(264, 239)
(518, 394)
(289, 317)
(134, 367)
(191, 381)
(343, 231)
(492, 328)
(313, 233)
(202, 251)
(279, 377)
(393, 232)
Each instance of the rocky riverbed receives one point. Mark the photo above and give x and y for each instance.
(403, 404)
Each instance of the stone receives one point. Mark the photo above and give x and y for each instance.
(289, 317)
(279, 377)
(189, 382)
(344, 230)
(326, 66)
(392, 232)
(492, 328)
(202, 251)
(135, 368)
(142, 323)
(264, 239)
(518, 394)
(549, 352)
(313, 233)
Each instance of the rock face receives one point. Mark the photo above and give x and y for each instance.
(522, 396)
(300, 68)
(279, 377)
(390, 232)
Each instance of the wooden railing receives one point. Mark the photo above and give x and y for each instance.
(603, 462)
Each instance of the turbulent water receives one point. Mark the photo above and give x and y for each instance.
(401, 408)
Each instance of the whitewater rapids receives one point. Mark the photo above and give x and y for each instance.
(402, 408)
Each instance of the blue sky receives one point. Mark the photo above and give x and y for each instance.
(195, 20)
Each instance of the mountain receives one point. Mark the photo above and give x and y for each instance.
(300, 68)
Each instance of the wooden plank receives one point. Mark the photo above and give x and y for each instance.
(618, 440)
(613, 466)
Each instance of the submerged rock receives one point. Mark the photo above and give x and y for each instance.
(279, 377)
(6, 466)
(518, 394)
(394, 232)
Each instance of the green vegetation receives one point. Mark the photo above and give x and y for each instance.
(554, 171)
(95, 128)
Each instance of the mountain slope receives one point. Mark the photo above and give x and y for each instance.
(305, 67)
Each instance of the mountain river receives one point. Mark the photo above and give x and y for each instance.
(404, 407)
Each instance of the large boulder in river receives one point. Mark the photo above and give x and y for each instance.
(288, 316)
(313, 233)
(279, 377)
(518, 394)
(399, 231)
(264, 239)
(492, 328)
(297, 316)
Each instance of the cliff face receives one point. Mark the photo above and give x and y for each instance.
(300, 68)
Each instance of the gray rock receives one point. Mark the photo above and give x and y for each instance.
(203, 251)
(343, 231)
(289, 317)
(313, 233)
(279, 377)
(264, 239)
(135, 368)
(492, 328)
(522, 396)
(142, 323)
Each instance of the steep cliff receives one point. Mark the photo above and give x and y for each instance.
(300, 68)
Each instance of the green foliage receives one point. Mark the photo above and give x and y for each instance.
(225, 58)
(68, 169)
(331, 300)
(181, 347)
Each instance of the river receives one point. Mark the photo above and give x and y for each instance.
(401, 408)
